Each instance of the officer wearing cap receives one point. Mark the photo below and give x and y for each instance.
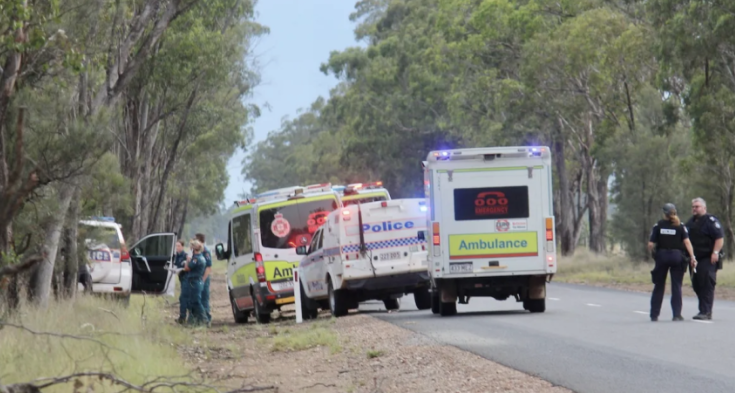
(707, 238)
(670, 238)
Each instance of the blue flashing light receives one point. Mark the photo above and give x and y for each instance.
(109, 219)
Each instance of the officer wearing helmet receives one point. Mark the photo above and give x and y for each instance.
(707, 238)
(670, 238)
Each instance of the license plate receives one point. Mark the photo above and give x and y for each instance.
(282, 286)
(390, 255)
(464, 267)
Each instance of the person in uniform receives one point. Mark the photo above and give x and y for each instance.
(670, 239)
(180, 262)
(205, 290)
(194, 267)
(705, 232)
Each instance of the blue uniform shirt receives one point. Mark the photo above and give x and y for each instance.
(207, 256)
(656, 231)
(180, 259)
(196, 267)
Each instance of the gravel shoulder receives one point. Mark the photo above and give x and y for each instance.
(357, 353)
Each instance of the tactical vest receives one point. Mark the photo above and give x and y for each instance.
(702, 244)
(670, 237)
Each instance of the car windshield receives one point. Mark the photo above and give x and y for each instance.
(293, 225)
(93, 236)
(357, 201)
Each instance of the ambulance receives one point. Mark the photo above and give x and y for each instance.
(368, 251)
(262, 236)
(490, 219)
(364, 192)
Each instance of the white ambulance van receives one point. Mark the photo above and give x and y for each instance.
(490, 219)
(262, 237)
(363, 252)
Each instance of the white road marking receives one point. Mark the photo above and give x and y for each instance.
(593, 305)
(696, 320)
(641, 312)
(552, 298)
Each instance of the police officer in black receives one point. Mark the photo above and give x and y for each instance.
(671, 240)
(706, 235)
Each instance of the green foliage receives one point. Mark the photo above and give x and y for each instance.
(640, 94)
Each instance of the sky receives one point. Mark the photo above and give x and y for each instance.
(302, 34)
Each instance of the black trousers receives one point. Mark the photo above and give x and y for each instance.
(703, 283)
(667, 260)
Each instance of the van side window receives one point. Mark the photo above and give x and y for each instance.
(314, 241)
(321, 238)
(241, 235)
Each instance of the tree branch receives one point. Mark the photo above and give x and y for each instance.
(17, 268)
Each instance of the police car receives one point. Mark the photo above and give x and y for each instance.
(363, 193)
(366, 251)
(490, 219)
(108, 267)
(262, 236)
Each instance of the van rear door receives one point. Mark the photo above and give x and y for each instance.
(390, 232)
(494, 219)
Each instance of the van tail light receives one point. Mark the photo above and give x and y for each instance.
(549, 229)
(259, 267)
(436, 239)
(124, 255)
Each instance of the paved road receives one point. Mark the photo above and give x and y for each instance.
(590, 340)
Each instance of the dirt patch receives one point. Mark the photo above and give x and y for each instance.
(357, 353)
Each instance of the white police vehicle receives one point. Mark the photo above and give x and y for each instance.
(363, 252)
(147, 268)
(491, 225)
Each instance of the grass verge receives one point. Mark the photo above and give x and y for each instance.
(91, 335)
(587, 268)
(314, 334)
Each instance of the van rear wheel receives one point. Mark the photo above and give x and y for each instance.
(422, 297)
(447, 309)
(261, 313)
(391, 304)
(535, 305)
(308, 310)
(435, 301)
(337, 301)
(239, 316)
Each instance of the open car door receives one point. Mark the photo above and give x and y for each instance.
(152, 259)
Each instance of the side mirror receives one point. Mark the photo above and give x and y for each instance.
(422, 235)
(301, 250)
(219, 250)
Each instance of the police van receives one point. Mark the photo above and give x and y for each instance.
(363, 193)
(262, 236)
(363, 252)
(490, 219)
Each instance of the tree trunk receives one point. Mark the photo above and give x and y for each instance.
(565, 217)
(41, 280)
(71, 257)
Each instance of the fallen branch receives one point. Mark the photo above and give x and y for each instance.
(39, 384)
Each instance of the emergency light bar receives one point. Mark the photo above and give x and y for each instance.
(352, 188)
(103, 218)
(490, 153)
